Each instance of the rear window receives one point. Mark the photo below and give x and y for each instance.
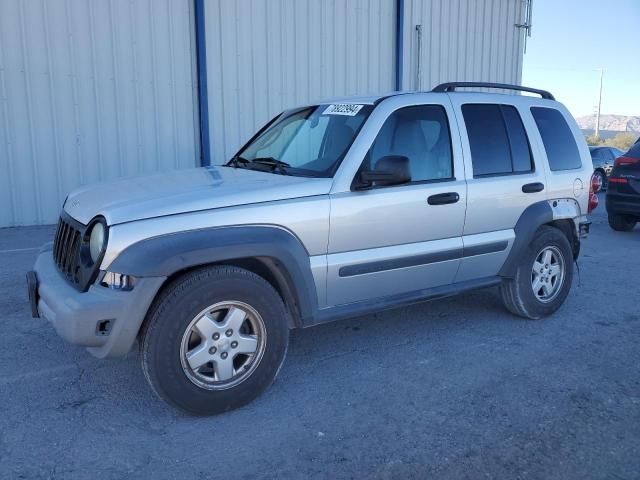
(497, 138)
(634, 151)
(557, 138)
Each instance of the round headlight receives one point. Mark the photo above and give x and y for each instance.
(96, 241)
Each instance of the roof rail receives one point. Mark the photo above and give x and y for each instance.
(451, 87)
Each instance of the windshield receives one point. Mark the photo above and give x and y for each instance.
(308, 142)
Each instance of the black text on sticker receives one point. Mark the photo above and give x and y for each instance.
(349, 109)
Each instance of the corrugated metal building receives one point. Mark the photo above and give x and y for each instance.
(92, 90)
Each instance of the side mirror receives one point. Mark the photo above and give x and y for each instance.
(390, 170)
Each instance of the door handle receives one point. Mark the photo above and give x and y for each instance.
(443, 198)
(533, 187)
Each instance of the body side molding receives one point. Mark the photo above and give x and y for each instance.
(422, 259)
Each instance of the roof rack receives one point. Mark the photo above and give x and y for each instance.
(451, 87)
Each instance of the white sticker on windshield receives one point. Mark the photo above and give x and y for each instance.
(349, 109)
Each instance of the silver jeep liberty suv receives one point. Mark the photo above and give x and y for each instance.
(331, 210)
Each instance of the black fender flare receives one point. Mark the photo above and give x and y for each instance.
(165, 255)
(532, 218)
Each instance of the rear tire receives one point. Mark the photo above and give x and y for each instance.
(214, 340)
(622, 223)
(540, 287)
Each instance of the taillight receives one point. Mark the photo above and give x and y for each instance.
(625, 161)
(618, 180)
(594, 187)
(593, 202)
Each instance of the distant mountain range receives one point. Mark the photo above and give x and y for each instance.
(611, 123)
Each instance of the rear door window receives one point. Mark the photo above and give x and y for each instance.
(498, 140)
(558, 140)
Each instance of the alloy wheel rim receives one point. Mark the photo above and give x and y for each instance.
(223, 345)
(547, 274)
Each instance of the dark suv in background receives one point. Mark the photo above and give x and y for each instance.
(623, 195)
(603, 158)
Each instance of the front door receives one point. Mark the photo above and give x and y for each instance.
(391, 240)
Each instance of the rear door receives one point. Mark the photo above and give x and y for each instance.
(503, 179)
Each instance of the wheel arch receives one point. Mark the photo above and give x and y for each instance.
(567, 226)
(559, 214)
(273, 253)
(268, 268)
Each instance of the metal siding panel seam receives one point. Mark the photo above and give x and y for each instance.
(399, 43)
(7, 133)
(29, 112)
(203, 94)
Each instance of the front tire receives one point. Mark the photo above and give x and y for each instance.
(543, 278)
(622, 223)
(214, 340)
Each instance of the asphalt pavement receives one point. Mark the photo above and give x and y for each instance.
(456, 388)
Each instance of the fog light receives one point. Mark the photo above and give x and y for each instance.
(117, 281)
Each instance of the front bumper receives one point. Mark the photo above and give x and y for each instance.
(105, 321)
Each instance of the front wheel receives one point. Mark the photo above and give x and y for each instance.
(214, 340)
(543, 278)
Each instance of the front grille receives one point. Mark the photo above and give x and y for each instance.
(66, 249)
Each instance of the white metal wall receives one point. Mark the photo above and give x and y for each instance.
(267, 55)
(91, 90)
(463, 40)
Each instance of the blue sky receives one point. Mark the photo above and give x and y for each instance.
(572, 39)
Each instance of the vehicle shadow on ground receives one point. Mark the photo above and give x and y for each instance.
(316, 351)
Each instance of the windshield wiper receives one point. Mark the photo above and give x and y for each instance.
(238, 161)
(278, 165)
(263, 164)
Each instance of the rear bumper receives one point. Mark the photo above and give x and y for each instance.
(621, 204)
(103, 320)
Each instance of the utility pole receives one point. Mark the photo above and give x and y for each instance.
(597, 133)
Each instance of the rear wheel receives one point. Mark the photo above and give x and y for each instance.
(622, 223)
(543, 277)
(214, 340)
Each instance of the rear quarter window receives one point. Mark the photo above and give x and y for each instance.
(634, 151)
(558, 140)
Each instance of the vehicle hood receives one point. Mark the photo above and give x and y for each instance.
(183, 191)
